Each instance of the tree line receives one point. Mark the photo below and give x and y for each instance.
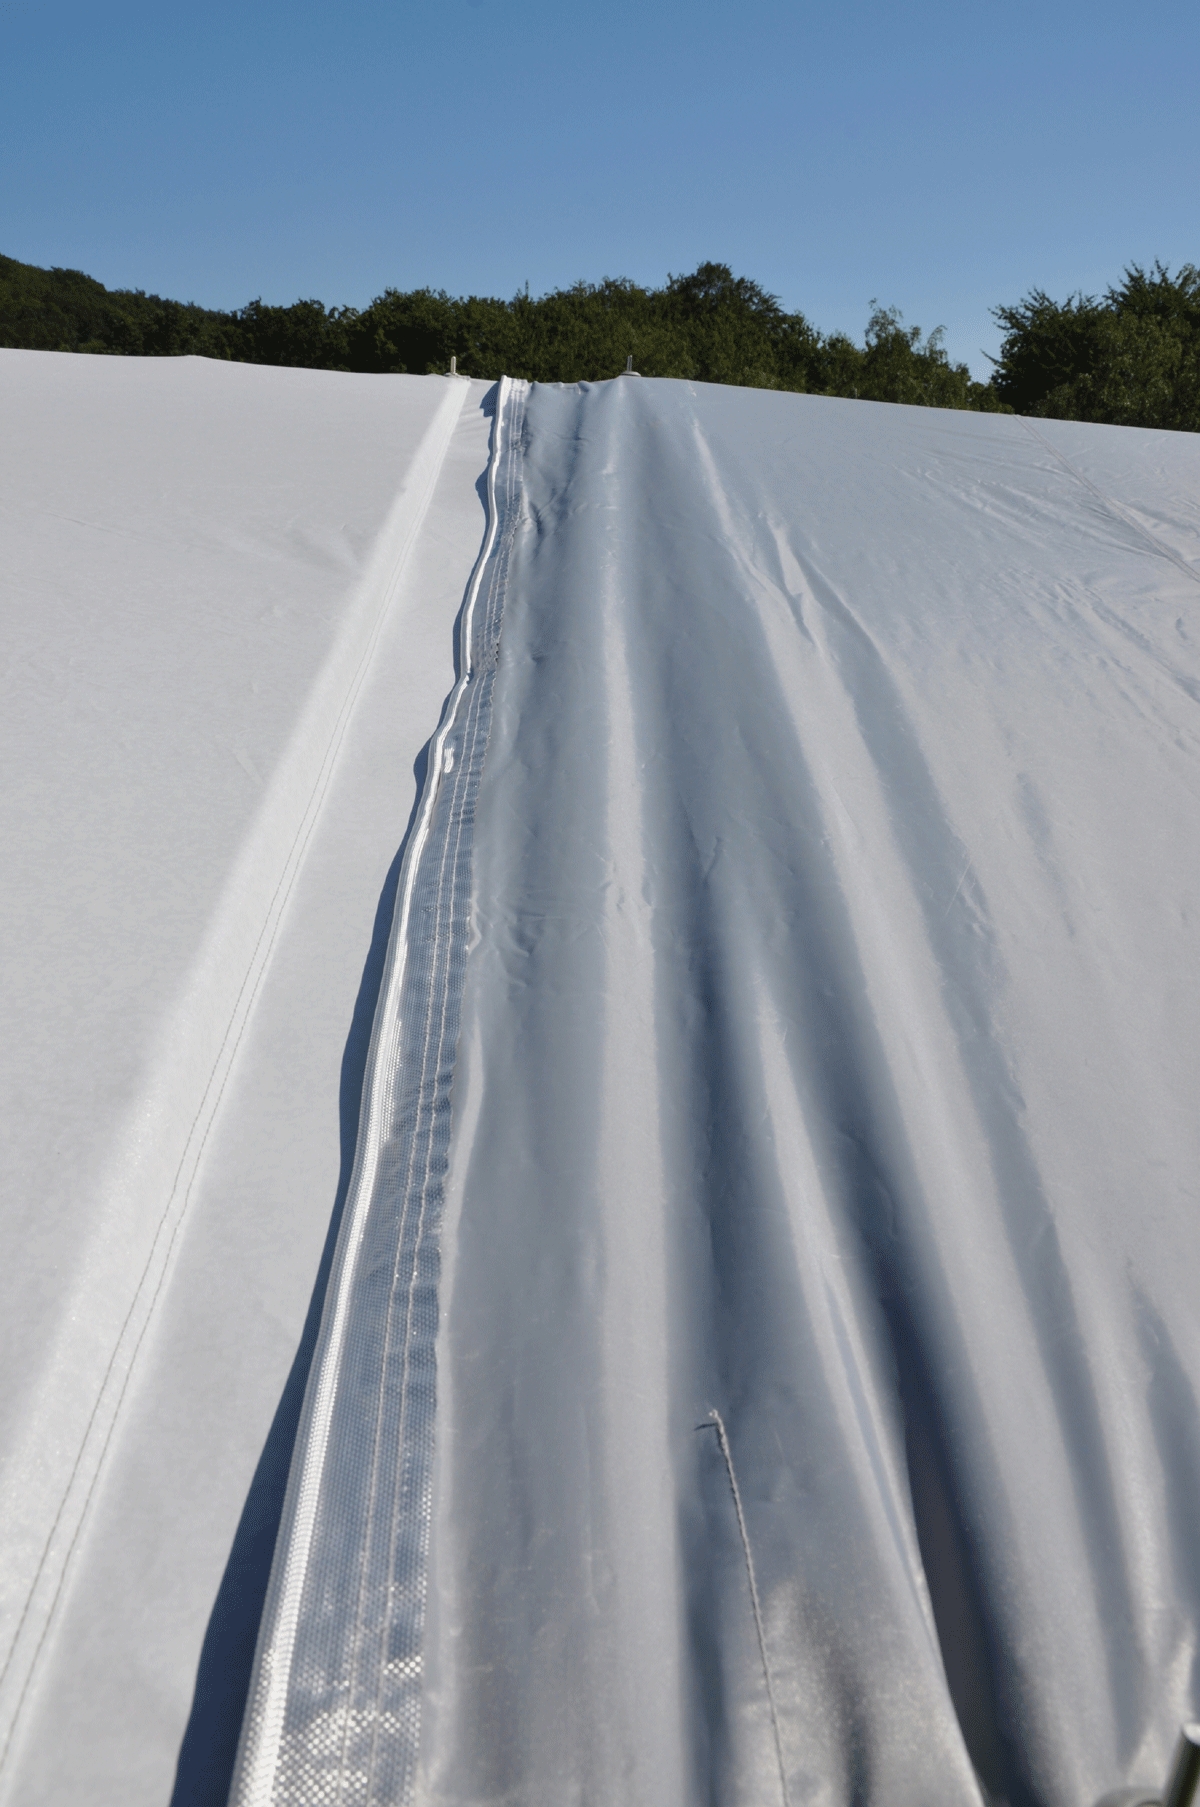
(1130, 356)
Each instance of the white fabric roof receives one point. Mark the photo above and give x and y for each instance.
(826, 1078)
(197, 556)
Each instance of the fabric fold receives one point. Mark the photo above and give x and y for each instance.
(809, 969)
(335, 1706)
(802, 1061)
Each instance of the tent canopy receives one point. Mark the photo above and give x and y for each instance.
(753, 1352)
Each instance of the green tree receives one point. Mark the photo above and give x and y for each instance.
(1130, 357)
(709, 326)
(64, 310)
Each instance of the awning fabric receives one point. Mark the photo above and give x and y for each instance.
(760, 1358)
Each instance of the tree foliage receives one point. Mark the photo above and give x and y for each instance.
(1131, 356)
(711, 326)
(64, 310)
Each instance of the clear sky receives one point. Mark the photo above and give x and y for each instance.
(941, 157)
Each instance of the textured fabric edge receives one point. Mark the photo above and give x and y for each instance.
(259, 1754)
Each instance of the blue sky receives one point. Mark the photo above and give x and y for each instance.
(940, 157)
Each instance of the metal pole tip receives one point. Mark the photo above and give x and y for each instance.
(1185, 1769)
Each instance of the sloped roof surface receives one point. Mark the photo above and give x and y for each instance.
(767, 1357)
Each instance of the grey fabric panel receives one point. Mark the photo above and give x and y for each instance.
(818, 1360)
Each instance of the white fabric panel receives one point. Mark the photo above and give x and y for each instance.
(205, 562)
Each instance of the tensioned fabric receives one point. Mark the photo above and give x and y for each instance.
(817, 1359)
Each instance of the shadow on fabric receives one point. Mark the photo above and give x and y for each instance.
(206, 1757)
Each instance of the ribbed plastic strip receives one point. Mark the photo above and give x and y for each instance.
(334, 1713)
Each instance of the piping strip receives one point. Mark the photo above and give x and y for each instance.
(333, 1718)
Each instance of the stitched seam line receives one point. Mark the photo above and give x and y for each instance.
(717, 1423)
